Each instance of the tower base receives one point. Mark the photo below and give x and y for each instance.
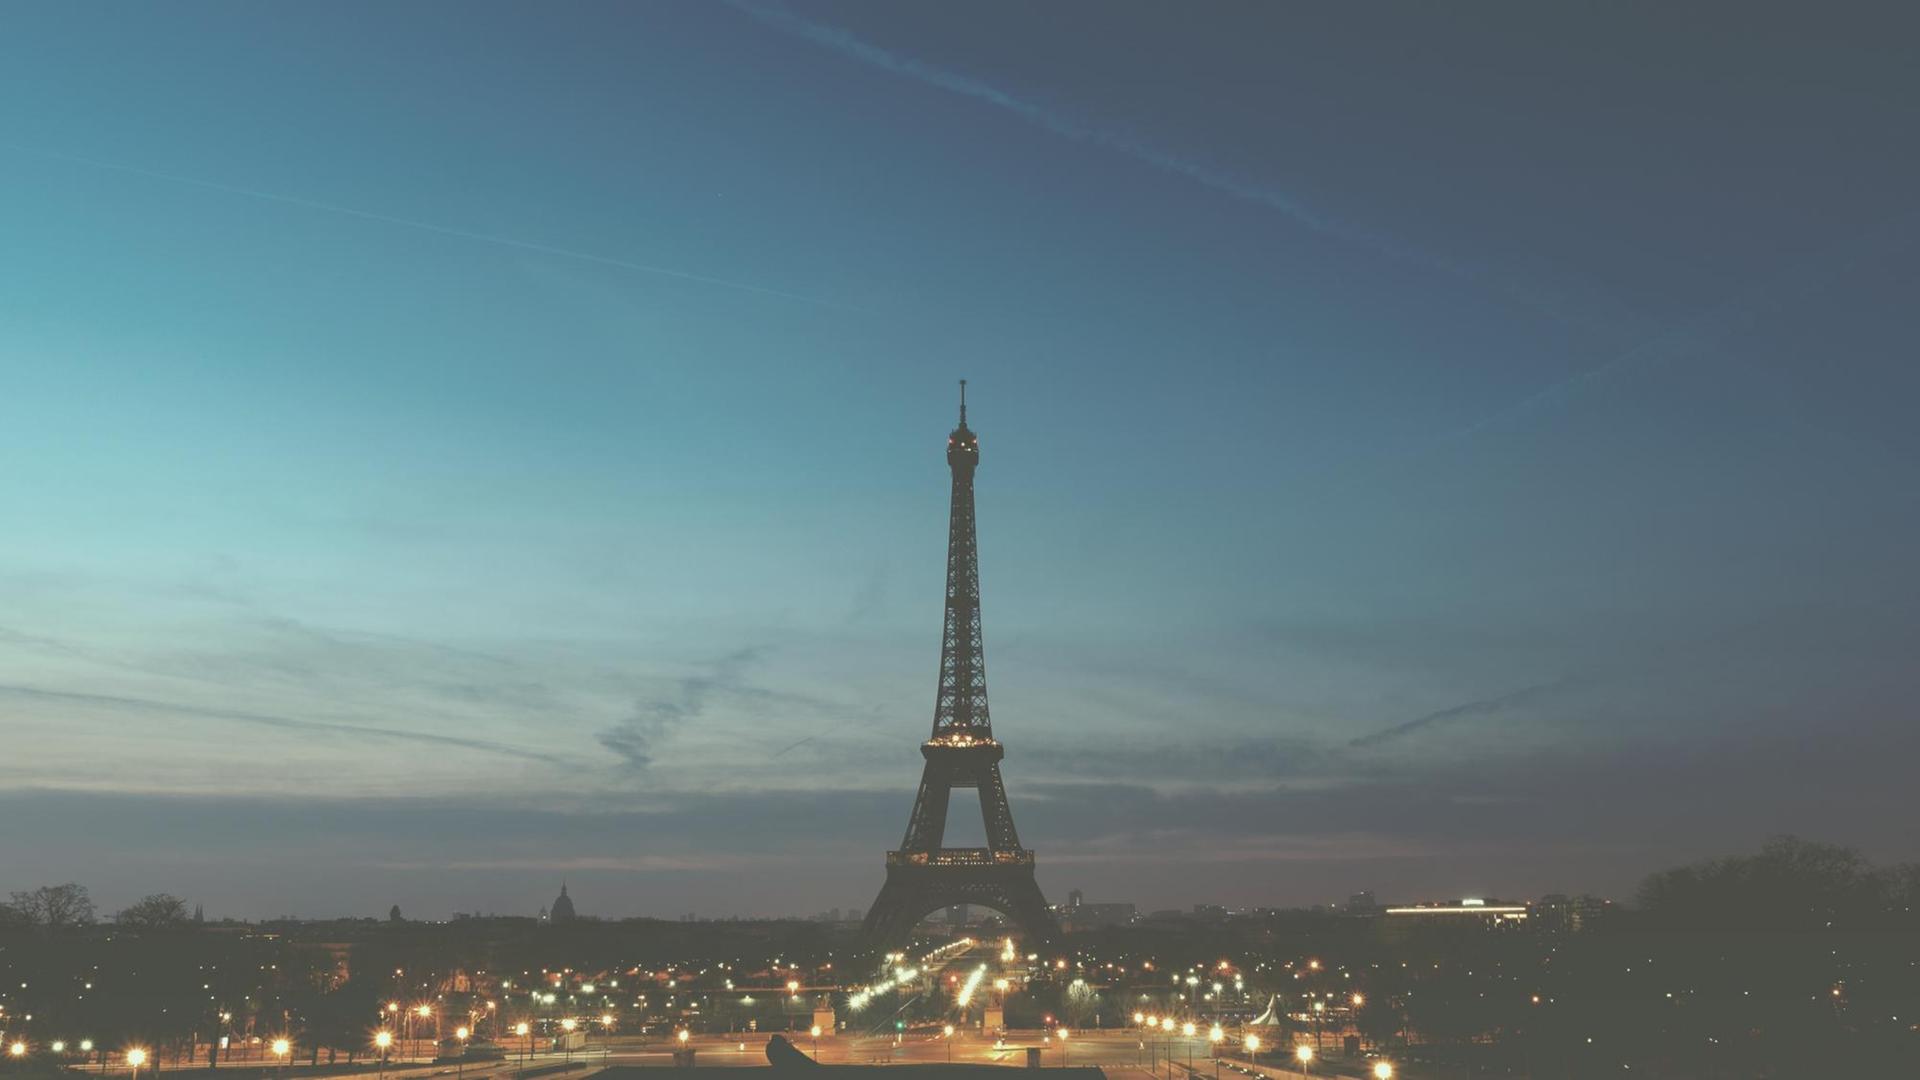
(915, 890)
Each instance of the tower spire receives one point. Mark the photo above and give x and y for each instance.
(963, 403)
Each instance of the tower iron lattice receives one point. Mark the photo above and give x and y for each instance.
(925, 875)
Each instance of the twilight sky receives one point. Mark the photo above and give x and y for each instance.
(449, 447)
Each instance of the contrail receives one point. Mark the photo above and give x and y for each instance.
(1707, 331)
(427, 226)
(847, 44)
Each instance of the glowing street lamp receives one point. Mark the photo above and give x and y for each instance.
(1383, 1070)
(136, 1057)
(1215, 1035)
(1304, 1055)
(383, 1039)
(1252, 1043)
(17, 1048)
(525, 1031)
(282, 1049)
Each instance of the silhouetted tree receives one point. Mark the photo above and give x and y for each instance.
(156, 911)
(55, 907)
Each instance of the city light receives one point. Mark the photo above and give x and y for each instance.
(1303, 1053)
(1188, 1029)
(1216, 1034)
(1383, 1070)
(136, 1057)
(461, 1033)
(522, 1028)
(281, 1047)
(684, 1034)
(17, 1049)
(972, 983)
(1253, 1044)
(383, 1039)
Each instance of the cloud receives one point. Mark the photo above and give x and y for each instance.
(31, 693)
(1711, 329)
(637, 737)
(427, 226)
(1486, 707)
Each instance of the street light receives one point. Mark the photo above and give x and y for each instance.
(1304, 1055)
(17, 1049)
(383, 1039)
(282, 1048)
(136, 1057)
(1383, 1070)
(815, 1032)
(1063, 1048)
(1252, 1044)
(1216, 1036)
(525, 1031)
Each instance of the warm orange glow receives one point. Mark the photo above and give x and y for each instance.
(383, 1039)
(1383, 1070)
(136, 1057)
(1303, 1053)
(281, 1047)
(1253, 1044)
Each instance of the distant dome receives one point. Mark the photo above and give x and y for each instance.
(562, 907)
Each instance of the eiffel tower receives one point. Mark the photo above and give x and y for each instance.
(925, 875)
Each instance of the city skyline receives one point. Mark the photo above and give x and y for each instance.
(1482, 474)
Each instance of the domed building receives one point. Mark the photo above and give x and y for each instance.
(562, 910)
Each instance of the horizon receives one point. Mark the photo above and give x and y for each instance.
(453, 450)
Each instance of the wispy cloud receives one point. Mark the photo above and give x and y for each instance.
(1486, 707)
(33, 693)
(1711, 329)
(636, 737)
(428, 226)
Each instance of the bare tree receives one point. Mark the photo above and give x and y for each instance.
(55, 907)
(154, 912)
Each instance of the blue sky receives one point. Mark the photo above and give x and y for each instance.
(449, 447)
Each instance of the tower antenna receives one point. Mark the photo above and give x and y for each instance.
(963, 402)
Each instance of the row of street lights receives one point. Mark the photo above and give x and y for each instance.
(136, 1056)
(1303, 1053)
